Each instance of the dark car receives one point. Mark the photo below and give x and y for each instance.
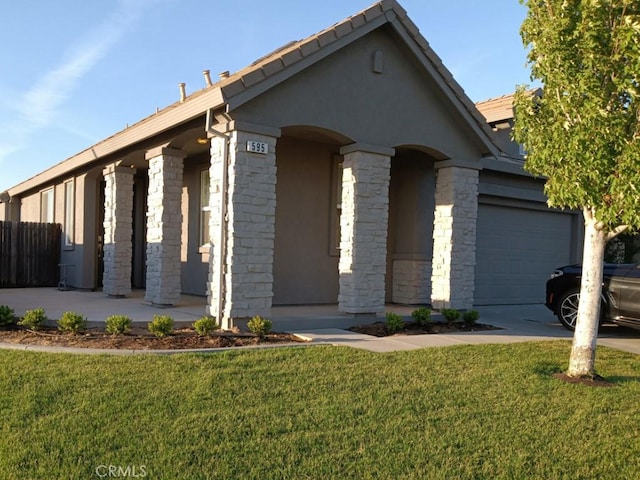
(620, 294)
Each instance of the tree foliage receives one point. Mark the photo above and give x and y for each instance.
(583, 133)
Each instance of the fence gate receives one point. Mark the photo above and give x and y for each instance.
(29, 254)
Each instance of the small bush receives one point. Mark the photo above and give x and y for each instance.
(118, 324)
(33, 319)
(7, 316)
(72, 322)
(451, 315)
(394, 322)
(259, 326)
(470, 317)
(422, 316)
(205, 325)
(161, 326)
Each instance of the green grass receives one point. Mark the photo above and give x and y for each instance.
(469, 412)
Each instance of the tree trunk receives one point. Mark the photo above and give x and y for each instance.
(583, 351)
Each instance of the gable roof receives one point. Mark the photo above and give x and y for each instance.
(497, 109)
(274, 68)
(501, 108)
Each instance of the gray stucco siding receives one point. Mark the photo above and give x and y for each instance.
(341, 93)
(410, 238)
(305, 258)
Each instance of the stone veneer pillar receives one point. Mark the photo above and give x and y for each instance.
(164, 226)
(363, 228)
(454, 236)
(118, 221)
(245, 237)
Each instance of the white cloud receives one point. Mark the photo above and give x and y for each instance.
(40, 104)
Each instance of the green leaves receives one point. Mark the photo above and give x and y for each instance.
(584, 133)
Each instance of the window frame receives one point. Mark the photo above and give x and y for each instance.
(204, 210)
(69, 214)
(336, 205)
(47, 205)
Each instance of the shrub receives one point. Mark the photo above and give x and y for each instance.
(394, 322)
(259, 326)
(118, 324)
(161, 326)
(470, 317)
(6, 315)
(72, 322)
(33, 319)
(422, 316)
(451, 315)
(205, 325)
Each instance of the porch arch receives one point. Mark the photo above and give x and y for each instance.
(306, 251)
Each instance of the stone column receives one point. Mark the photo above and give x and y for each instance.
(363, 228)
(118, 221)
(242, 223)
(454, 236)
(164, 226)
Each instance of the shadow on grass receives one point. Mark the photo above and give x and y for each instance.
(547, 368)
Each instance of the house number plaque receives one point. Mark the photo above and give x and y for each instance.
(257, 147)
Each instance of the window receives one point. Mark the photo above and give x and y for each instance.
(69, 217)
(521, 151)
(336, 206)
(205, 208)
(46, 205)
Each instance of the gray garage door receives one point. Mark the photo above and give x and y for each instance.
(516, 249)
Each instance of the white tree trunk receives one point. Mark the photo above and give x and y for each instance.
(583, 351)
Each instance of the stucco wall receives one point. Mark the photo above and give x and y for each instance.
(410, 238)
(305, 258)
(30, 211)
(400, 106)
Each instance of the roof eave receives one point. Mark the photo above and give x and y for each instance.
(165, 119)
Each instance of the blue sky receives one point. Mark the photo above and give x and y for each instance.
(74, 72)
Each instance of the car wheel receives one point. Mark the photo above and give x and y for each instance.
(568, 309)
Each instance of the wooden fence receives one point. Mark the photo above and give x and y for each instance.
(29, 254)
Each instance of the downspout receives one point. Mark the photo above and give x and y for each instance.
(222, 241)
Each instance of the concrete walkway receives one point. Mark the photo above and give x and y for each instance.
(320, 324)
(522, 323)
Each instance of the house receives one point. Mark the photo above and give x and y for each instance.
(347, 167)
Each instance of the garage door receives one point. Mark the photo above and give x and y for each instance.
(516, 249)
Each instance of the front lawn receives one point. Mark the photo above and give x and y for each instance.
(491, 411)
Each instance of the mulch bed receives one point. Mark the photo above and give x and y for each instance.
(379, 329)
(140, 339)
(596, 381)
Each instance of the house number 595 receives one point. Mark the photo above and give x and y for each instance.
(257, 147)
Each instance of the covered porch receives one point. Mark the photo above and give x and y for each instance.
(95, 306)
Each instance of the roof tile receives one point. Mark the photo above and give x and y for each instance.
(291, 57)
(309, 47)
(496, 109)
(232, 88)
(252, 77)
(272, 67)
(411, 27)
(374, 11)
(343, 29)
(327, 37)
(392, 4)
(357, 21)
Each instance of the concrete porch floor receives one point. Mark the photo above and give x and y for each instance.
(96, 306)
